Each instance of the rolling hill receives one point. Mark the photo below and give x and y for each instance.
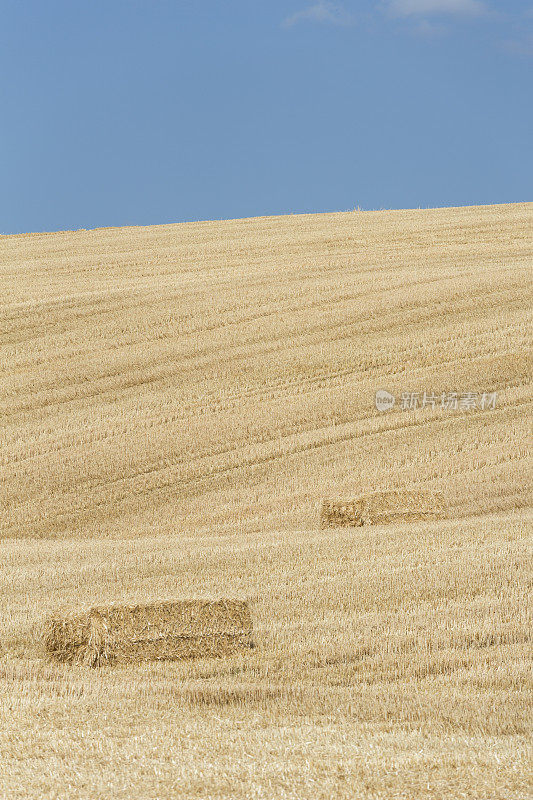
(175, 403)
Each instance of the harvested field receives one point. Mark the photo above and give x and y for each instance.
(175, 403)
(155, 632)
(148, 398)
(376, 646)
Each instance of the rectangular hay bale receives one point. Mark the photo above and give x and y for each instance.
(162, 631)
(335, 514)
(379, 508)
(403, 505)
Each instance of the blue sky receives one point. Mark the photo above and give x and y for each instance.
(136, 112)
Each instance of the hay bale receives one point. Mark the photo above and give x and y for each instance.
(403, 505)
(379, 508)
(336, 514)
(163, 631)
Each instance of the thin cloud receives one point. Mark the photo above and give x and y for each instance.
(520, 41)
(429, 29)
(520, 47)
(424, 8)
(323, 12)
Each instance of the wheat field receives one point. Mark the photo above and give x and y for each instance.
(176, 402)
